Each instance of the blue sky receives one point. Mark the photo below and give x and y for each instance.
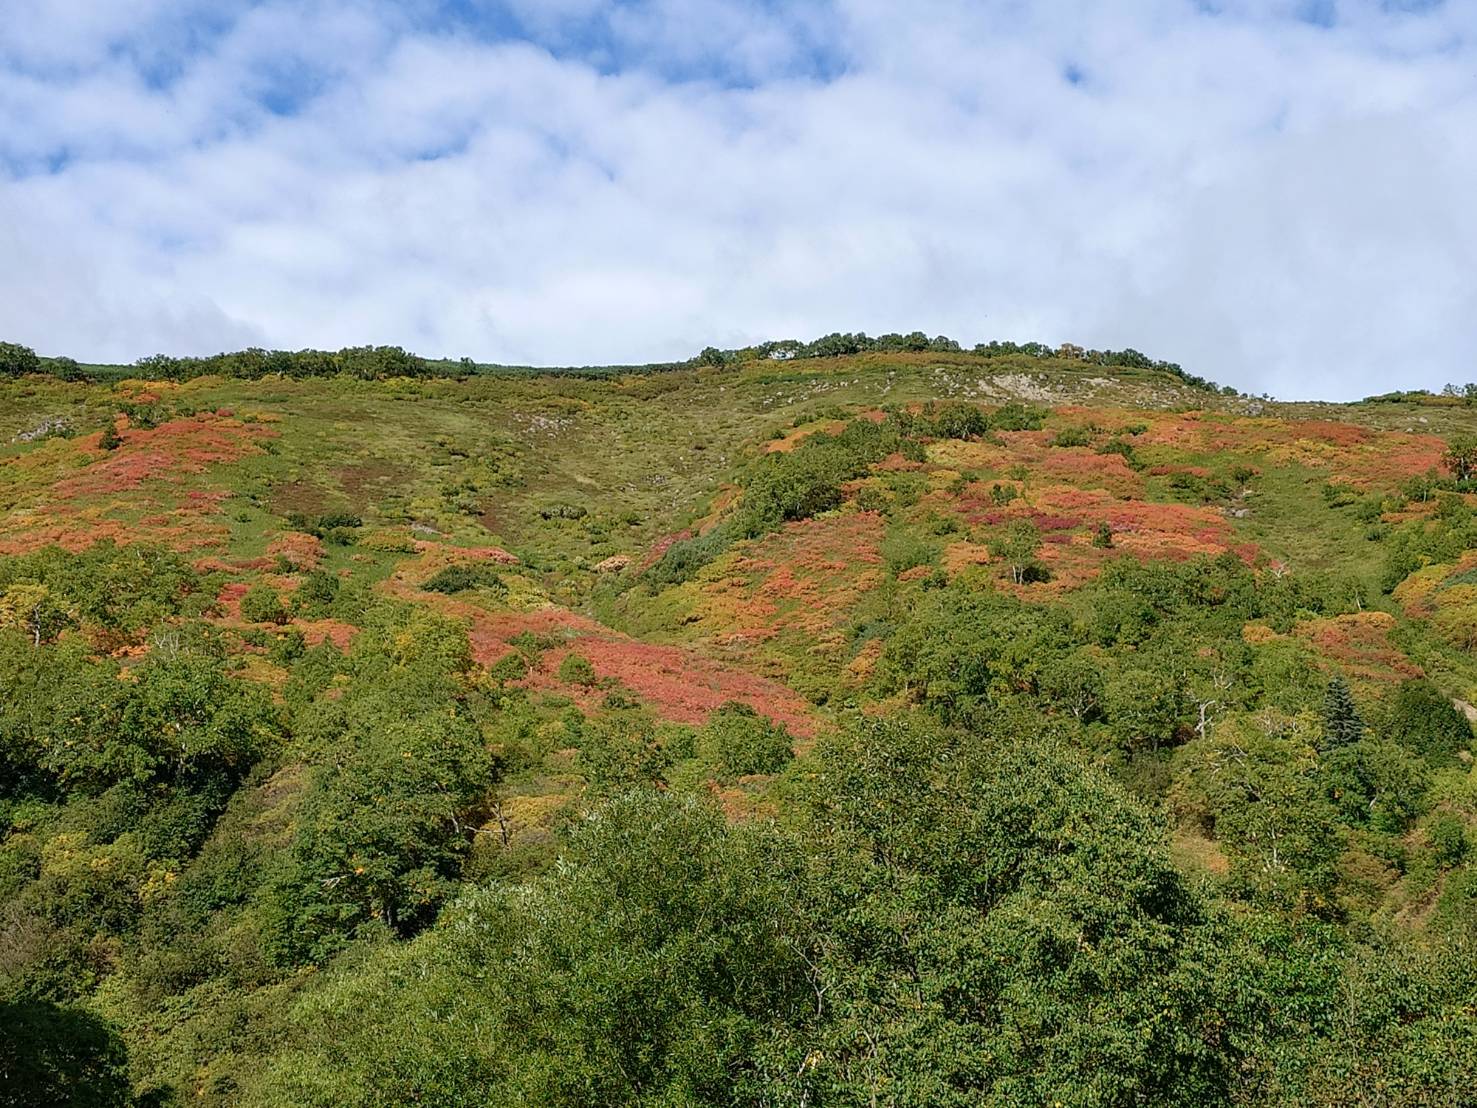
(1275, 193)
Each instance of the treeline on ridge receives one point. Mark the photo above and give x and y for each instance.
(379, 362)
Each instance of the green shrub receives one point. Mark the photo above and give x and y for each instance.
(1018, 417)
(512, 666)
(575, 669)
(261, 604)
(287, 647)
(316, 593)
(955, 419)
(1072, 436)
(742, 742)
(1448, 838)
(459, 578)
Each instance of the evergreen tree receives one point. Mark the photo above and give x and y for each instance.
(1342, 724)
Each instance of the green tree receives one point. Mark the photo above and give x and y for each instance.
(1461, 457)
(382, 832)
(1017, 547)
(969, 957)
(1252, 783)
(31, 608)
(661, 963)
(1427, 723)
(1342, 723)
(1144, 708)
(17, 360)
(52, 1054)
(622, 749)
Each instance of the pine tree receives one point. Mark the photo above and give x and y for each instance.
(1342, 724)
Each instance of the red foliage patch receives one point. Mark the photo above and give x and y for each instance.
(229, 598)
(801, 581)
(317, 631)
(300, 550)
(678, 683)
(149, 472)
(172, 449)
(1360, 644)
(441, 553)
(661, 546)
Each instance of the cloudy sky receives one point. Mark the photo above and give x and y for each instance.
(1279, 194)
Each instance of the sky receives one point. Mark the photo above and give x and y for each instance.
(1280, 195)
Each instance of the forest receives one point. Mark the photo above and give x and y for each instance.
(849, 723)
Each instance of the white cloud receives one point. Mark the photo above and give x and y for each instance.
(1272, 203)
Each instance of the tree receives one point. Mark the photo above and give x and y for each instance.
(66, 369)
(958, 420)
(1461, 457)
(968, 958)
(381, 835)
(193, 721)
(110, 440)
(1342, 723)
(662, 962)
(1252, 784)
(30, 608)
(620, 750)
(17, 360)
(1017, 548)
(1144, 708)
(52, 1054)
(1425, 722)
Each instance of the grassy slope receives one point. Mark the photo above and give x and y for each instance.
(567, 471)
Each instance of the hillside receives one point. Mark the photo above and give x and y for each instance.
(905, 727)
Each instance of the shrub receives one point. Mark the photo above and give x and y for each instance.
(1448, 836)
(1072, 436)
(261, 604)
(576, 669)
(904, 550)
(1124, 450)
(316, 593)
(743, 742)
(1017, 547)
(460, 578)
(563, 511)
(287, 647)
(1425, 722)
(1000, 495)
(957, 420)
(1018, 417)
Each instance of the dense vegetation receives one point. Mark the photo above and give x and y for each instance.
(888, 726)
(381, 362)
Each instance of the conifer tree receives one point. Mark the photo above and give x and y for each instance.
(1342, 724)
